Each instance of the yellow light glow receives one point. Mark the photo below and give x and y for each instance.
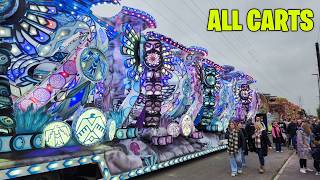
(57, 134)
(90, 127)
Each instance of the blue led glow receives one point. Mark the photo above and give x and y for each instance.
(77, 98)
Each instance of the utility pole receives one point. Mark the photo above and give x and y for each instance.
(300, 101)
(318, 61)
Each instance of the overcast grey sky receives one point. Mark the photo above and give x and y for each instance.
(282, 63)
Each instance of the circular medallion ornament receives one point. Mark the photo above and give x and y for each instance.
(37, 141)
(153, 60)
(90, 127)
(152, 54)
(42, 95)
(8, 8)
(121, 134)
(173, 129)
(7, 122)
(56, 134)
(4, 59)
(57, 81)
(70, 67)
(93, 64)
(19, 143)
(186, 125)
(211, 80)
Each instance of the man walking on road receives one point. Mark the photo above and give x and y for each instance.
(292, 133)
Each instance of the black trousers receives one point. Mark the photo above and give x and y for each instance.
(303, 163)
(316, 164)
(261, 157)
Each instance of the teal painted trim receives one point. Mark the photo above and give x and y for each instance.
(147, 169)
(100, 160)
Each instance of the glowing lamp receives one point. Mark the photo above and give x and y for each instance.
(90, 127)
(56, 134)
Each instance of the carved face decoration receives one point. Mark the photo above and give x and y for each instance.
(153, 107)
(153, 57)
(244, 92)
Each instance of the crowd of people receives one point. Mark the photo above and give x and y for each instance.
(303, 136)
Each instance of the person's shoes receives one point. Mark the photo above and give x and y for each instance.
(310, 170)
(318, 173)
(240, 171)
(303, 171)
(277, 151)
(261, 170)
(233, 174)
(281, 151)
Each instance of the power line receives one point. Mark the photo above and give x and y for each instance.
(236, 51)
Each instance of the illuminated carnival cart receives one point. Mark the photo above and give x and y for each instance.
(82, 94)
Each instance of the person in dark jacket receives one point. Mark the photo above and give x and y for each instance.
(292, 133)
(262, 143)
(249, 129)
(244, 148)
(316, 130)
(316, 148)
(283, 128)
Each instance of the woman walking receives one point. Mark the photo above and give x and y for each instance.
(234, 149)
(303, 146)
(277, 136)
(262, 143)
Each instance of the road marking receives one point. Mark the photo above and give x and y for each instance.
(283, 167)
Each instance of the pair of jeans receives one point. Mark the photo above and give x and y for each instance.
(278, 146)
(289, 140)
(243, 158)
(316, 164)
(235, 162)
(261, 156)
(294, 142)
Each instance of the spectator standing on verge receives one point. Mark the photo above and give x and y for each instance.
(316, 147)
(292, 133)
(303, 146)
(283, 128)
(277, 136)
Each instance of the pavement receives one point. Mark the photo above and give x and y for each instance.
(216, 166)
(291, 170)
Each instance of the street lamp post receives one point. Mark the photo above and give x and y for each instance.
(318, 78)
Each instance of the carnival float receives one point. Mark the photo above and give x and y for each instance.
(79, 90)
